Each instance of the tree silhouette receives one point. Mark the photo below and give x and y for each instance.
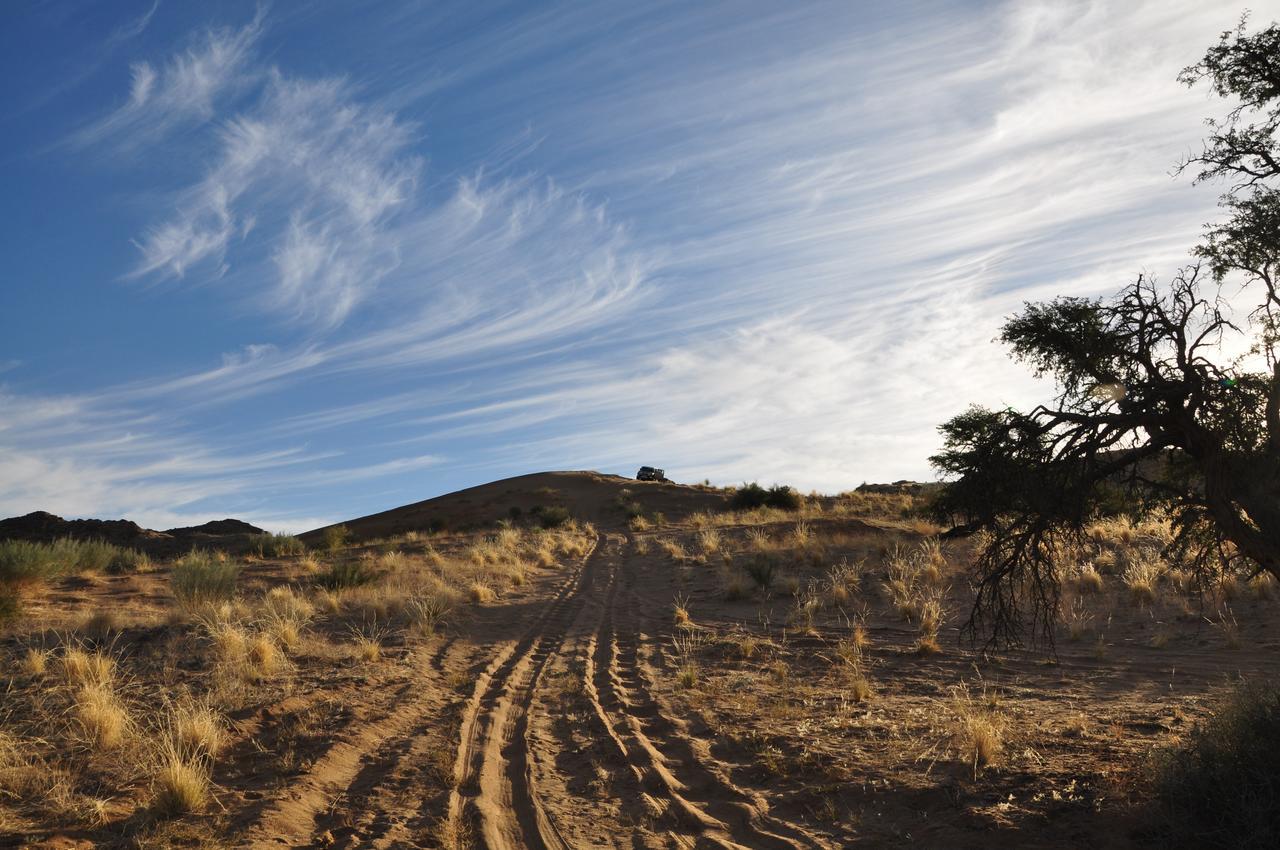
(1168, 395)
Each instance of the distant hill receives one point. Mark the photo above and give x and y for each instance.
(216, 528)
(589, 496)
(43, 527)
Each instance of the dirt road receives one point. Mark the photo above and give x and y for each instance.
(561, 742)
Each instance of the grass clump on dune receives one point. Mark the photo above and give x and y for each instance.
(200, 578)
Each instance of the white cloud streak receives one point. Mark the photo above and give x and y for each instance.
(186, 89)
(774, 248)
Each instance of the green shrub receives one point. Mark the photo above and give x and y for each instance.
(128, 561)
(22, 562)
(550, 516)
(344, 575)
(336, 536)
(1221, 786)
(751, 496)
(86, 556)
(276, 545)
(199, 577)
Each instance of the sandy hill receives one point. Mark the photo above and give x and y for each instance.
(586, 495)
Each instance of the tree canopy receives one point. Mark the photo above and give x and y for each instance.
(1168, 394)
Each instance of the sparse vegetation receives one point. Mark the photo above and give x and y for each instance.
(202, 578)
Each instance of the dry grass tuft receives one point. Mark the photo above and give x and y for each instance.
(102, 716)
(978, 733)
(263, 656)
(1087, 579)
(480, 593)
(1230, 628)
(181, 783)
(1141, 578)
(1263, 586)
(328, 601)
(1078, 619)
(674, 550)
(688, 646)
(736, 586)
(709, 541)
(680, 611)
(35, 662)
(81, 667)
(1229, 587)
(426, 611)
(196, 730)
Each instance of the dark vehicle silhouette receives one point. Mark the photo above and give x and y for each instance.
(650, 473)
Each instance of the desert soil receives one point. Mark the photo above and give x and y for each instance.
(581, 709)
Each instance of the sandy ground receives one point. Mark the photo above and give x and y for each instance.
(581, 709)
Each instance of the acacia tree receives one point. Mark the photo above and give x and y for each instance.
(1168, 393)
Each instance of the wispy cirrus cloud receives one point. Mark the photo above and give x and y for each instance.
(315, 177)
(185, 89)
(774, 243)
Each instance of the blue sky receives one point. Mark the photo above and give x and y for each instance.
(303, 261)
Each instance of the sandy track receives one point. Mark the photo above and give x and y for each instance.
(508, 789)
(707, 807)
(292, 821)
(495, 789)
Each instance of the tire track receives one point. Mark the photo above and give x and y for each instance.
(494, 781)
(291, 821)
(660, 753)
(372, 793)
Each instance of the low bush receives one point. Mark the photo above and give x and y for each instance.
(128, 561)
(200, 577)
(24, 562)
(276, 545)
(550, 516)
(80, 556)
(752, 496)
(346, 574)
(1221, 786)
(336, 536)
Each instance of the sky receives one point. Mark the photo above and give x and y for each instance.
(302, 261)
